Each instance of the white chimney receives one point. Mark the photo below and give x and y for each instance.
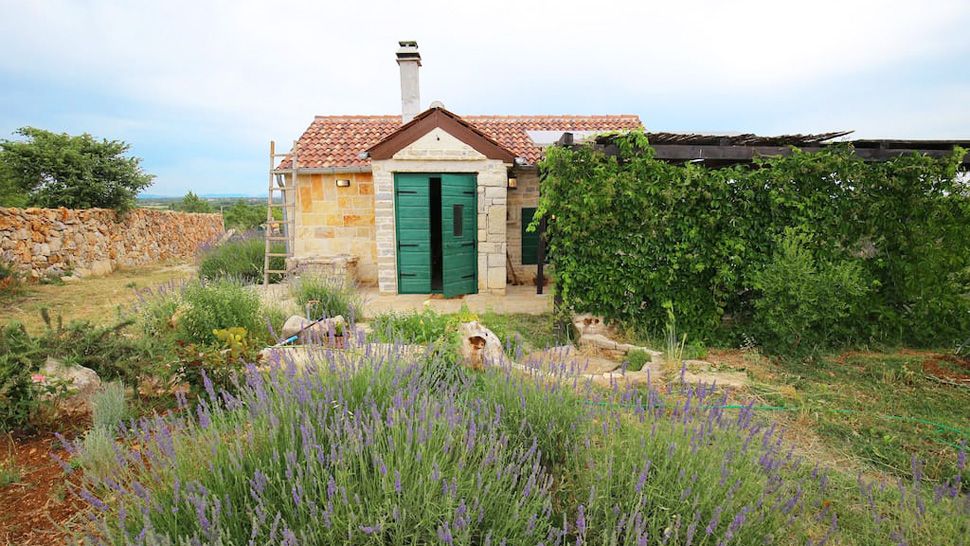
(409, 60)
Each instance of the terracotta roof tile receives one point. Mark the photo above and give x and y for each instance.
(336, 141)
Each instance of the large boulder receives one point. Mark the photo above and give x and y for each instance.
(81, 382)
(307, 332)
(480, 347)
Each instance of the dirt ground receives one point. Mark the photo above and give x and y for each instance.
(91, 298)
(37, 507)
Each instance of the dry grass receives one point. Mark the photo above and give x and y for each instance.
(93, 298)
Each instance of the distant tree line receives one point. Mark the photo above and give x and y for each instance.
(241, 215)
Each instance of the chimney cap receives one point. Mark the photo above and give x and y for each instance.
(408, 51)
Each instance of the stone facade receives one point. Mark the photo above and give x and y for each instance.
(96, 241)
(332, 221)
(440, 152)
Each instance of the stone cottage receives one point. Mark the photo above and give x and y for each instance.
(426, 201)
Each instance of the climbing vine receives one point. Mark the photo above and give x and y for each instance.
(629, 233)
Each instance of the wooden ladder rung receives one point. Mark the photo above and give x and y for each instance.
(277, 254)
(275, 270)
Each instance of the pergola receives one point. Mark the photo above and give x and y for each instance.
(723, 150)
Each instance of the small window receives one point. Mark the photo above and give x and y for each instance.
(457, 211)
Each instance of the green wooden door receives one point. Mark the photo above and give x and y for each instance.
(459, 234)
(412, 199)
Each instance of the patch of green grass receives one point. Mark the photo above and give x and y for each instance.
(532, 331)
(882, 408)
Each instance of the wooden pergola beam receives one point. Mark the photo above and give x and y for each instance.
(689, 152)
(678, 152)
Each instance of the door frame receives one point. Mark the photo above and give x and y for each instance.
(397, 229)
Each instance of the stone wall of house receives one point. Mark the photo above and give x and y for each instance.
(525, 196)
(440, 152)
(96, 241)
(332, 221)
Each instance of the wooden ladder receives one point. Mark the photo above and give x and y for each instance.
(283, 185)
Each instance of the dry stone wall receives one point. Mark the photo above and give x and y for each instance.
(43, 242)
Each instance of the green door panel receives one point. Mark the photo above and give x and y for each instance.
(412, 198)
(530, 239)
(459, 234)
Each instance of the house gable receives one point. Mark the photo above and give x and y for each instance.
(451, 124)
(438, 144)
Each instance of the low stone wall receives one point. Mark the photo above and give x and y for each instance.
(96, 241)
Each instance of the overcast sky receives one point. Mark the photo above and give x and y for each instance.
(199, 88)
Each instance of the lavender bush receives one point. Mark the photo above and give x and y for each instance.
(362, 448)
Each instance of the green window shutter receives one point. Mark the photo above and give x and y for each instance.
(530, 239)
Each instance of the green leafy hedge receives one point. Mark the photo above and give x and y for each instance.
(629, 233)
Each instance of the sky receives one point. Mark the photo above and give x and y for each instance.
(200, 88)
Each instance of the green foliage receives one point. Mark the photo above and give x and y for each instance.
(428, 326)
(806, 305)
(108, 406)
(78, 172)
(244, 216)
(218, 362)
(274, 316)
(11, 282)
(192, 203)
(215, 305)
(629, 233)
(241, 259)
(323, 296)
(97, 452)
(636, 359)
(18, 397)
(536, 410)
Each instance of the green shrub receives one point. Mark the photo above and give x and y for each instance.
(806, 304)
(274, 317)
(108, 406)
(18, 397)
(636, 359)
(536, 410)
(327, 297)
(96, 454)
(242, 260)
(215, 305)
(631, 232)
(11, 281)
(427, 326)
(156, 310)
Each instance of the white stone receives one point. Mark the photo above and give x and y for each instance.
(82, 383)
(479, 346)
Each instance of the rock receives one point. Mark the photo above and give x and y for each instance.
(479, 346)
(705, 373)
(598, 340)
(319, 332)
(101, 268)
(589, 324)
(82, 383)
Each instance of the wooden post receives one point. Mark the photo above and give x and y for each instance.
(541, 255)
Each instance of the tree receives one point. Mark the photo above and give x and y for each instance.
(192, 203)
(244, 216)
(47, 169)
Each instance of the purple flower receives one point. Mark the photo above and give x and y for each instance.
(581, 520)
(397, 481)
